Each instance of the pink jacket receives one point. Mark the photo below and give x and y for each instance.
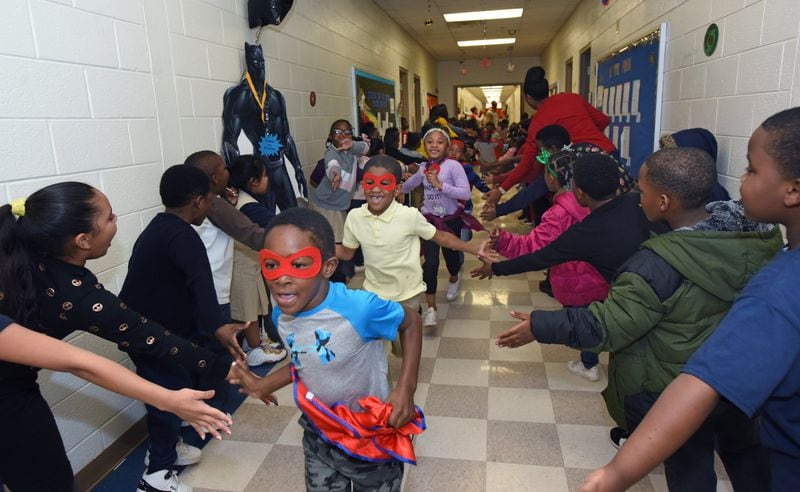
(575, 283)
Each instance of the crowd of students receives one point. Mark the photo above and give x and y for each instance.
(689, 291)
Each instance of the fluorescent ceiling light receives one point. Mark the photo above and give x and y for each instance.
(483, 15)
(492, 92)
(487, 42)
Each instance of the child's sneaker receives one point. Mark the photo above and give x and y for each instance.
(618, 436)
(162, 481)
(577, 368)
(187, 455)
(429, 317)
(452, 289)
(265, 354)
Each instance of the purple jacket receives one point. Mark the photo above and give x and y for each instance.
(575, 283)
(455, 187)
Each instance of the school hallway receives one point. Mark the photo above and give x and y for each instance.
(498, 419)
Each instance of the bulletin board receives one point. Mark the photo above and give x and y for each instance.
(375, 100)
(629, 85)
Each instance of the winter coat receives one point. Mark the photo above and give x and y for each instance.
(575, 283)
(666, 301)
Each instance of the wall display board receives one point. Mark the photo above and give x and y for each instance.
(375, 101)
(629, 85)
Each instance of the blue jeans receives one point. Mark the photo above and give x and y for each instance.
(526, 196)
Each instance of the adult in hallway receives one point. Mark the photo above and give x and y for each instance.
(583, 122)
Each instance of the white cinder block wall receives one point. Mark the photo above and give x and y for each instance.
(753, 73)
(112, 92)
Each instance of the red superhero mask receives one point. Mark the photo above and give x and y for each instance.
(384, 181)
(433, 166)
(285, 264)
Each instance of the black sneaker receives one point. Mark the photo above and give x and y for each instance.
(618, 436)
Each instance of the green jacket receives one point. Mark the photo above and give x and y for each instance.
(666, 301)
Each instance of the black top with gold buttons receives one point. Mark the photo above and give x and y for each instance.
(70, 298)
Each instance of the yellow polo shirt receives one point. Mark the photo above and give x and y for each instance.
(390, 243)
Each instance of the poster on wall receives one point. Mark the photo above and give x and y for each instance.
(628, 89)
(375, 102)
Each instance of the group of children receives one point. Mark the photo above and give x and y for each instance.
(689, 298)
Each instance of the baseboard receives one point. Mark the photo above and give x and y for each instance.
(91, 474)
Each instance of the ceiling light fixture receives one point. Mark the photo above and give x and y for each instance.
(487, 42)
(483, 15)
(429, 20)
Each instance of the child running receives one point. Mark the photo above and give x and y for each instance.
(389, 234)
(665, 302)
(445, 183)
(752, 360)
(334, 335)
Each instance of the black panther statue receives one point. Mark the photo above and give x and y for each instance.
(259, 111)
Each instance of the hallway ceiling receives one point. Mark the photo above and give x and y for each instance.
(540, 21)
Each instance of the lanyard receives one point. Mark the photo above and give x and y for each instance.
(263, 99)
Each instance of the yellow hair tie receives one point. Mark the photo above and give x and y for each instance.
(18, 207)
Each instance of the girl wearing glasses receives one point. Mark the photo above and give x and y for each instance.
(332, 197)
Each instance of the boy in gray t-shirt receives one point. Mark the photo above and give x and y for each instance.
(334, 335)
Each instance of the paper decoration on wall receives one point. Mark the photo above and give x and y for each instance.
(254, 122)
(375, 102)
(627, 92)
(267, 12)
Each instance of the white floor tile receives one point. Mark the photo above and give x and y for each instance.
(226, 465)
(461, 372)
(454, 438)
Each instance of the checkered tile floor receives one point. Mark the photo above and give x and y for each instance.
(498, 419)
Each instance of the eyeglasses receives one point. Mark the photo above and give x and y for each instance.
(337, 131)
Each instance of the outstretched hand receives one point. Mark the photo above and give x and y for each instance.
(488, 212)
(519, 334)
(483, 271)
(188, 404)
(251, 385)
(226, 335)
(493, 196)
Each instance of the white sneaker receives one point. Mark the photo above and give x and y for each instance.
(187, 455)
(429, 317)
(452, 289)
(577, 368)
(264, 354)
(162, 481)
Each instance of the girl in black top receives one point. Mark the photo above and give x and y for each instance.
(45, 285)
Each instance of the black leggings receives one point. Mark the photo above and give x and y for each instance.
(32, 455)
(451, 258)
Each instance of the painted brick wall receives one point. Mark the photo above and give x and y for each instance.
(752, 74)
(112, 92)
